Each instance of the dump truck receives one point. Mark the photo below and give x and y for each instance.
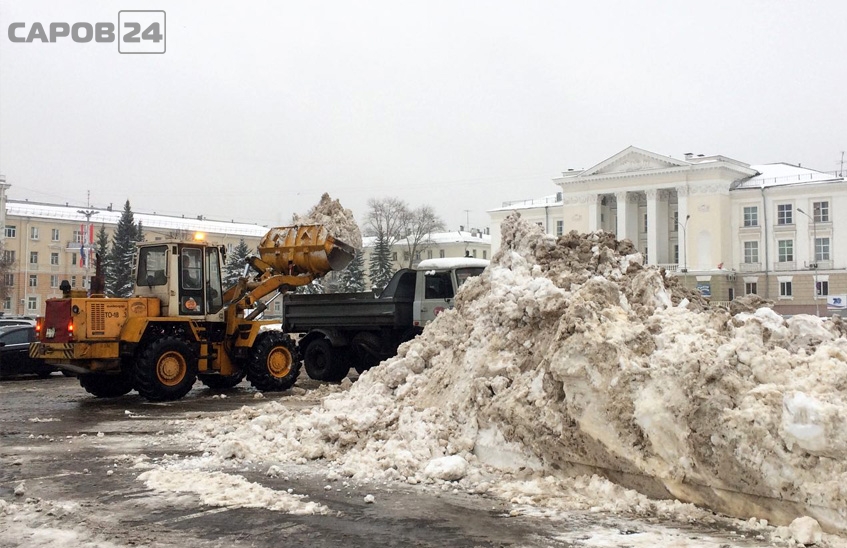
(340, 331)
(180, 324)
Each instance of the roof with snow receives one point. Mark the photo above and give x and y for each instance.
(782, 174)
(552, 200)
(148, 220)
(454, 237)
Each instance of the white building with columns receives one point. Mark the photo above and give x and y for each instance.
(729, 228)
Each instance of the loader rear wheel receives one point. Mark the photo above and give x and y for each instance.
(218, 382)
(165, 369)
(274, 364)
(324, 362)
(102, 385)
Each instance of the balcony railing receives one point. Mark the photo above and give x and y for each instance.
(750, 267)
(785, 265)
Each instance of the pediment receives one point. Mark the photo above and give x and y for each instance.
(633, 159)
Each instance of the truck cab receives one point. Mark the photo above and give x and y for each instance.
(438, 281)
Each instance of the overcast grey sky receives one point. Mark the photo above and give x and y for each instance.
(257, 108)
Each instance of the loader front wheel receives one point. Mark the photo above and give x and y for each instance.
(165, 369)
(274, 364)
(102, 385)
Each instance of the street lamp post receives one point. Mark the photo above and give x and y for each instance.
(684, 243)
(814, 263)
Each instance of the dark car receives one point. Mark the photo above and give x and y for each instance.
(14, 353)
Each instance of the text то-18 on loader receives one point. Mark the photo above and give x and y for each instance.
(180, 325)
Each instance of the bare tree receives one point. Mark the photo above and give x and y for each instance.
(418, 225)
(385, 221)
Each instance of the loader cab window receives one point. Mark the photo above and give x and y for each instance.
(192, 274)
(214, 295)
(438, 285)
(191, 299)
(152, 266)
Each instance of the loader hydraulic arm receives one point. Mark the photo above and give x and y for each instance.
(289, 257)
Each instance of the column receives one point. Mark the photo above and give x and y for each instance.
(593, 212)
(621, 231)
(652, 226)
(682, 211)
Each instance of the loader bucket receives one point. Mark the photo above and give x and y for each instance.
(306, 249)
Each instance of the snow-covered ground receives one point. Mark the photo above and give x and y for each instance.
(566, 360)
(565, 365)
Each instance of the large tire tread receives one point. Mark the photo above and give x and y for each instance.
(148, 383)
(326, 363)
(259, 367)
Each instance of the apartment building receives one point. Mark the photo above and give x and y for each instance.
(726, 227)
(45, 244)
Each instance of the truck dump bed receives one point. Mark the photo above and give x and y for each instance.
(302, 313)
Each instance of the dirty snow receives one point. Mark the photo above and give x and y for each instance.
(337, 220)
(568, 360)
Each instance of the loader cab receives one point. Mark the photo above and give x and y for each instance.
(185, 277)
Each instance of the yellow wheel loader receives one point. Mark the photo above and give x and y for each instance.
(180, 324)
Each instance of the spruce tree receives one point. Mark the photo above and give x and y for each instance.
(380, 268)
(352, 278)
(121, 257)
(101, 248)
(236, 260)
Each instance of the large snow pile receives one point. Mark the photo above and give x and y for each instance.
(567, 356)
(338, 221)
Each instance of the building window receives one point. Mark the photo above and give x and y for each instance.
(645, 222)
(32, 304)
(820, 212)
(405, 255)
(786, 251)
(784, 214)
(822, 288)
(33, 257)
(417, 255)
(560, 228)
(751, 216)
(751, 288)
(474, 252)
(11, 231)
(731, 293)
(429, 254)
(33, 280)
(54, 258)
(8, 256)
(751, 252)
(7, 303)
(676, 253)
(73, 259)
(54, 235)
(675, 222)
(785, 289)
(73, 281)
(54, 280)
(77, 236)
(821, 249)
(484, 254)
(9, 280)
(441, 253)
(33, 233)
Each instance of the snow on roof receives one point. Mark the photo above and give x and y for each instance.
(552, 200)
(148, 220)
(782, 174)
(454, 237)
(451, 262)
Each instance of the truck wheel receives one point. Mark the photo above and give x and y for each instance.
(165, 369)
(218, 382)
(102, 385)
(325, 363)
(274, 364)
